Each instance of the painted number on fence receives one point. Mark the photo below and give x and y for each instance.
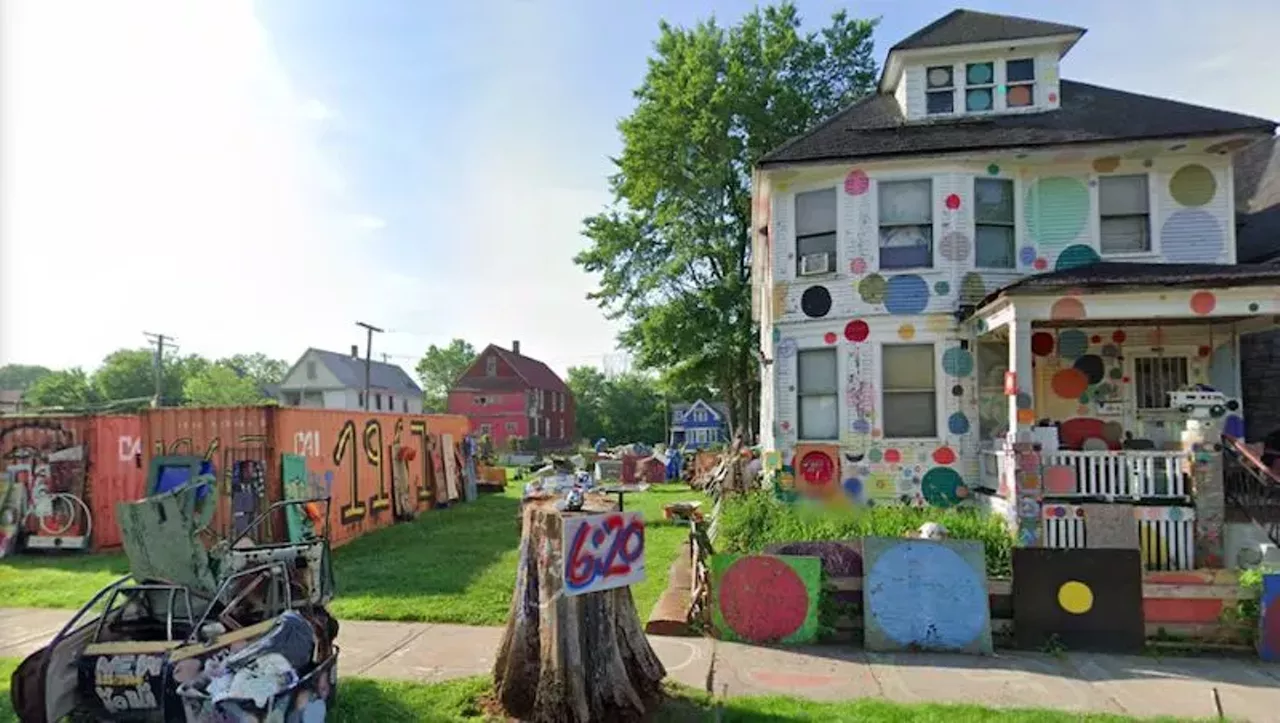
(603, 552)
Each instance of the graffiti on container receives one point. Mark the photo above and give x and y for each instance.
(307, 443)
(43, 436)
(603, 551)
(427, 481)
(381, 500)
(130, 447)
(186, 446)
(127, 682)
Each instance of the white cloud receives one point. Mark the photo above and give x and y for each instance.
(369, 223)
(158, 175)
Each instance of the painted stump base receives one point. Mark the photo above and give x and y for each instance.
(570, 659)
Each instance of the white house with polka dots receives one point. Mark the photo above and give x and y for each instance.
(983, 254)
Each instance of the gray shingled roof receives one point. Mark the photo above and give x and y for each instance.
(960, 27)
(350, 371)
(721, 408)
(1257, 187)
(876, 128)
(1114, 274)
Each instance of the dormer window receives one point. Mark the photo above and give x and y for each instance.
(1020, 82)
(979, 87)
(941, 94)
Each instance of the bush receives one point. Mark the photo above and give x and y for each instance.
(750, 522)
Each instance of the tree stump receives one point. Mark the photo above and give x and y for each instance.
(571, 659)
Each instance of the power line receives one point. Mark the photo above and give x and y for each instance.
(158, 364)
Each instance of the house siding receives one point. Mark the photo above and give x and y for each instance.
(1056, 226)
(912, 87)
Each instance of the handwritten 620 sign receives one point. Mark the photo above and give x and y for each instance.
(602, 552)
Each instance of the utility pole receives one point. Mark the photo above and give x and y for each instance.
(368, 358)
(158, 364)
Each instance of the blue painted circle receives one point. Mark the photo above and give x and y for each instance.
(958, 423)
(906, 294)
(1191, 236)
(924, 594)
(1234, 426)
(853, 488)
(1072, 344)
(1027, 255)
(860, 426)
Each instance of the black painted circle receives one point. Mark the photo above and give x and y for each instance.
(1092, 367)
(815, 302)
(1233, 405)
(957, 391)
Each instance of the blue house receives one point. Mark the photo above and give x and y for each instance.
(699, 424)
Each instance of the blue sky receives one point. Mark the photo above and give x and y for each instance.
(266, 173)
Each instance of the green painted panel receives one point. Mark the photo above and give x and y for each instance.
(766, 598)
(160, 540)
(293, 468)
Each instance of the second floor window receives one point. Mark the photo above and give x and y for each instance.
(906, 224)
(1124, 225)
(816, 232)
(940, 95)
(994, 230)
(1020, 82)
(817, 392)
(910, 394)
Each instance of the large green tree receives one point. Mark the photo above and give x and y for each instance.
(129, 374)
(21, 376)
(259, 367)
(221, 385)
(622, 409)
(439, 368)
(673, 252)
(63, 388)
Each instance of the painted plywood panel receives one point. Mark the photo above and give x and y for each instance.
(925, 595)
(602, 552)
(1110, 526)
(765, 598)
(1082, 599)
(1269, 607)
(450, 452)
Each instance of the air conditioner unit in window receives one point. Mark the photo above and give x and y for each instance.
(814, 264)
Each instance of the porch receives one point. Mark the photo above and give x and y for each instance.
(1112, 384)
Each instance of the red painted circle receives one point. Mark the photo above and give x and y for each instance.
(1040, 264)
(830, 337)
(1203, 302)
(892, 456)
(762, 599)
(816, 468)
(953, 202)
(1203, 350)
(1042, 343)
(1119, 336)
(857, 330)
(944, 455)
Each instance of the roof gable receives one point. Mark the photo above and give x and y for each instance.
(1257, 188)
(532, 372)
(875, 127)
(350, 371)
(964, 27)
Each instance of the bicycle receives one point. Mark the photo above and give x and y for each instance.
(54, 512)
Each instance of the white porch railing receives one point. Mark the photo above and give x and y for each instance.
(1166, 535)
(1125, 473)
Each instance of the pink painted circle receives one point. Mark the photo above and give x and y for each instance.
(858, 265)
(762, 599)
(1067, 308)
(1039, 264)
(856, 183)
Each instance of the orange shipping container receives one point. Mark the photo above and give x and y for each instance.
(117, 472)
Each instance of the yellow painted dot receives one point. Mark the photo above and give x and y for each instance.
(1075, 597)
(906, 332)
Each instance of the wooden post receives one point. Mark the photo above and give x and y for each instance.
(571, 658)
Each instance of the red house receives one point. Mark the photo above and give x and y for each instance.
(506, 395)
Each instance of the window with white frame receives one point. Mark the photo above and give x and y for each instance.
(910, 392)
(979, 87)
(940, 90)
(485, 429)
(816, 232)
(1154, 377)
(1020, 83)
(993, 239)
(817, 392)
(561, 430)
(1124, 211)
(906, 224)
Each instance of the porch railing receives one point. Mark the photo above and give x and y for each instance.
(1251, 488)
(1126, 473)
(1166, 535)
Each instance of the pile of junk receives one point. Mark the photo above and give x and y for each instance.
(205, 627)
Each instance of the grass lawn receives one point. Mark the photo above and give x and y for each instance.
(455, 565)
(361, 699)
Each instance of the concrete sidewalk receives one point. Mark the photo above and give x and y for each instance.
(1137, 686)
